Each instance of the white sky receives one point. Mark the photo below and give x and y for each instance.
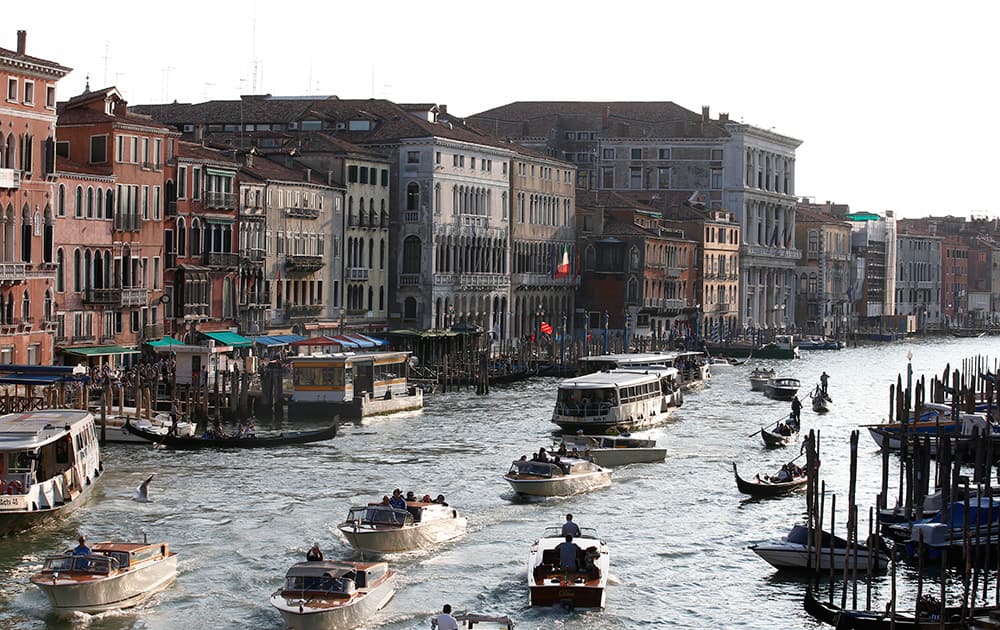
(891, 99)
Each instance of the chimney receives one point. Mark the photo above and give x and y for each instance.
(723, 117)
(199, 132)
(443, 109)
(22, 40)
(249, 159)
(704, 114)
(309, 173)
(604, 117)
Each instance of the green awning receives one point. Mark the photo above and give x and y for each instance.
(99, 351)
(229, 339)
(164, 342)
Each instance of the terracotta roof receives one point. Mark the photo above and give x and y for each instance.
(269, 169)
(13, 54)
(622, 119)
(195, 151)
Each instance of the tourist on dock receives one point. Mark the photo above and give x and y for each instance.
(82, 549)
(445, 621)
(824, 379)
(397, 501)
(570, 528)
(314, 554)
(568, 552)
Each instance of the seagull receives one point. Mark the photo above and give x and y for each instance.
(142, 492)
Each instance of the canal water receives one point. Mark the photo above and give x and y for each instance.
(678, 531)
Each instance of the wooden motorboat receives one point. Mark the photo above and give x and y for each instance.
(609, 451)
(766, 486)
(337, 595)
(759, 378)
(581, 586)
(52, 463)
(782, 387)
(113, 575)
(928, 618)
(550, 479)
(785, 432)
(820, 400)
(797, 551)
(256, 441)
(378, 528)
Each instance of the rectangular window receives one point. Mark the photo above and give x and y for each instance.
(120, 149)
(134, 150)
(145, 203)
(156, 203)
(607, 154)
(664, 154)
(156, 272)
(182, 182)
(12, 89)
(352, 174)
(607, 177)
(157, 151)
(98, 149)
(29, 92)
(364, 175)
(716, 155)
(635, 178)
(145, 153)
(62, 149)
(385, 177)
(472, 163)
(437, 157)
(413, 157)
(196, 182)
(50, 97)
(663, 178)
(716, 183)
(636, 154)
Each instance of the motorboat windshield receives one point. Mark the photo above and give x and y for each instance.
(379, 515)
(556, 532)
(92, 564)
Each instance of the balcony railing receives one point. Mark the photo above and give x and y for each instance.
(409, 279)
(673, 272)
(545, 280)
(303, 264)
(357, 273)
(254, 301)
(251, 256)
(106, 297)
(475, 280)
(152, 331)
(135, 296)
(13, 271)
(774, 252)
(411, 216)
(224, 260)
(302, 213)
(663, 304)
(303, 310)
(215, 199)
(10, 178)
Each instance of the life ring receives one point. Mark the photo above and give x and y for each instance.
(15, 487)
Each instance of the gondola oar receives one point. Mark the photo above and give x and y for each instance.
(776, 423)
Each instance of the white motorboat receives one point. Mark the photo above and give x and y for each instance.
(556, 479)
(609, 451)
(782, 387)
(50, 462)
(759, 378)
(797, 551)
(381, 528)
(113, 575)
(629, 398)
(333, 595)
(580, 586)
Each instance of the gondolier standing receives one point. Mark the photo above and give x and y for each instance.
(796, 409)
(823, 379)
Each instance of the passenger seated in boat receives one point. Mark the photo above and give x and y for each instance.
(562, 449)
(574, 453)
(590, 558)
(568, 551)
(784, 475)
(410, 496)
(520, 465)
(397, 501)
(783, 429)
(250, 430)
(314, 554)
(563, 467)
(82, 549)
(440, 500)
(542, 455)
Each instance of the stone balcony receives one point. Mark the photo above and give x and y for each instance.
(545, 280)
(222, 260)
(357, 274)
(303, 264)
(302, 213)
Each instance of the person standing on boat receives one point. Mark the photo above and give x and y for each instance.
(445, 621)
(570, 528)
(82, 549)
(568, 553)
(823, 380)
(314, 554)
(796, 409)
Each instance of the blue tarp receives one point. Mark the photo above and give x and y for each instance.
(30, 379)
(360, 340)
(377, 342)
(277, 340)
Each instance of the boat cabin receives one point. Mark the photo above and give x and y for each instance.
(333, 579)
(106, 558)
(378, 514)
(549, 469)
(344, 376)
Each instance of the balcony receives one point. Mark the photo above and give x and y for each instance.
(545, 280)
(357, 273)
(302, 213)
(10, 178)
(221, 200)
(152, 331)
(303, 264)
(256, 301)
(103, 297)
(411, 216)
(251, 256)
(772, 252)
(663, 304)
(196, 311)
(409, 279)
(13, 271)
(222, 260)
(135, 296)
(485, 281)
(673, 272)
(303, 310)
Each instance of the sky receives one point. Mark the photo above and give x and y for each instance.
(890, 99)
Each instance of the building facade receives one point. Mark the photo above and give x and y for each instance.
(824, 280)
(918, 278)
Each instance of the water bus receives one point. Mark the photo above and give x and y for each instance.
(353, 385)
(623, 399)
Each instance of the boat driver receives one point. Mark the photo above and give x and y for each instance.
(570, 528)
(568, 553)
(82, 549)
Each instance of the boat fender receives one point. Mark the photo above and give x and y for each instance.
(15, 487)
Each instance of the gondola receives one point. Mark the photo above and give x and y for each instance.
(820, 400)
(265, 441)
(773, 439)
(845, 619)
(761, 488)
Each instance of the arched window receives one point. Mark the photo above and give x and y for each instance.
(381, 254)
(61, 201)
(370, 294)
(26, 234)
(25, 308)
(227, 298)
(78, 205)
(196, 239)
(437, 198)
(371, 252)
(47, 235)
(76, 270)
(181, 238)
(47, 312)
(381, 298)
(411, 255)
(410, 308)
(109, 204)
(90, 202)
(60, 263)
(412, 196)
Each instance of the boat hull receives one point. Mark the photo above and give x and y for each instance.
(342, 617)
(361, 407)
(406, 538)
(611, 457)
(760, 489)
(758, 384)
(780, 393)
(777, 440)
(570, 596)
(13, 522)
(799, 557)
(123, 590)
(561, 487)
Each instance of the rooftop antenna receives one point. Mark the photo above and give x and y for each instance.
(373, 81)
(204, 92)
(253, 50)
(107, 45)
(166, 81)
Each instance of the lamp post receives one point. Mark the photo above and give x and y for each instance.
(628, 322)
(562, 349)
(342, 313)
(909, 374)
(536, 333)
(606, 318)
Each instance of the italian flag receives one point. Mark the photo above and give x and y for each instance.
(562, 269)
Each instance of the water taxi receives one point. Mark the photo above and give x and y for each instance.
(556, 479)
(623, 398)
(379, 528)
(609, 451)
(353, 385)
(782, 387)
(113, 575)
(327, 594)
(49, 463)
(579, 586)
